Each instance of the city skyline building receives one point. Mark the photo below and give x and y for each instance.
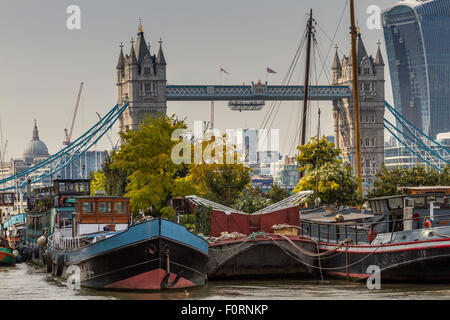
(417, 37)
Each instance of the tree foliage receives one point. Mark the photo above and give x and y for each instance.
(444, 177)
(252, 200)
(116, 179)
(146, 156)
(388, 180)
(318, 151)
(336, 183)
(98, 182)
(276, 193)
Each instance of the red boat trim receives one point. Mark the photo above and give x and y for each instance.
(150, 280)
(351, 275)
(388, 244)
(259, 238)
(382, 248)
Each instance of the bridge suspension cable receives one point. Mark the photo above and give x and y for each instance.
(416, 141)
(53, 164)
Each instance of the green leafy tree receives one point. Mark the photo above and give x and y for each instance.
(226, 182)
(276, 193)
(317, 152)
(98, 182)
(444, 177)
(219, 182)
(146, 156)
(116, 179)
(388, 180)
(251, 200)
(336, 184)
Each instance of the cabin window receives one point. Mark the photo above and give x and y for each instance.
(439, 202)
(419, 202)
(62, 187)
(104, 207)
(81, 187)
(88, 207)
(120, 207)
(395, 203)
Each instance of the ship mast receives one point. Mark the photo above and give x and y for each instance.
(306, 87)
(354, 34)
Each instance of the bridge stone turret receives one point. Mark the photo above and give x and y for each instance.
(372, 97)
(141, 80)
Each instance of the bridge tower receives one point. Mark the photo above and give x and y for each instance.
(372, 97)
(141, 80)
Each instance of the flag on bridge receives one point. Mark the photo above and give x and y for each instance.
(224, 71)
(270, 70)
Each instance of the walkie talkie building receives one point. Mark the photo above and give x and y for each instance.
(417, 36)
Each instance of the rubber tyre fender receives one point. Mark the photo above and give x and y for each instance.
(48, 262)
(36, 253)
(60, 265)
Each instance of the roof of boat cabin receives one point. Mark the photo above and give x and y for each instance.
(101, 197)
(417, 195)
(347, 217)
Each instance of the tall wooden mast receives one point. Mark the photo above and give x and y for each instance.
(306, 87)
(354, 33)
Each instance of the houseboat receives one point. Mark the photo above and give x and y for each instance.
(111, 252)
(46, 207)
(408, 239)
(265, 243)
(7, 256)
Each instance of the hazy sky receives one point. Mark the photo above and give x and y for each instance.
(42, 62)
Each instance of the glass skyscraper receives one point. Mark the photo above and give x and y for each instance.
(417, 36)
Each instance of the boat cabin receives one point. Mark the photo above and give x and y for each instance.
(52, 206)
(6, 205)
(412, 211)
(100, 213)
(62, 192)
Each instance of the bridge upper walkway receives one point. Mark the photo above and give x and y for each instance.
(256, 91)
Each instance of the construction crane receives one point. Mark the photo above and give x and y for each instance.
(68, 134)
(4, 151)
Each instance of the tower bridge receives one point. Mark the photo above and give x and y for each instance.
(142, 89)
(255, 91)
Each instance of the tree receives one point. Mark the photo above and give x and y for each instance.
(336, 183)
(276, 193)
(444, 177)
(98, 182)
(251, 200)
(220, 182)
(226, 182)
(116, 179)
(388, 180)
(146, 156)
(317, 152)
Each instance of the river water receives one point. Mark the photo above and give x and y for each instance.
(29, 282)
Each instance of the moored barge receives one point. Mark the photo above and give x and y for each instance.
(408, 240)
(108, 251)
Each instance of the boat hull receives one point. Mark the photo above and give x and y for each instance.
(262, 257)
(6, 257)
(154, 255)
(414, 262)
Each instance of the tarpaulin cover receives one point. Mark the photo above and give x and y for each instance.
(246, 224)
(221, 222)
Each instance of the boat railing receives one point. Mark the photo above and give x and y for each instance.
(362, 232)
(67, 243)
